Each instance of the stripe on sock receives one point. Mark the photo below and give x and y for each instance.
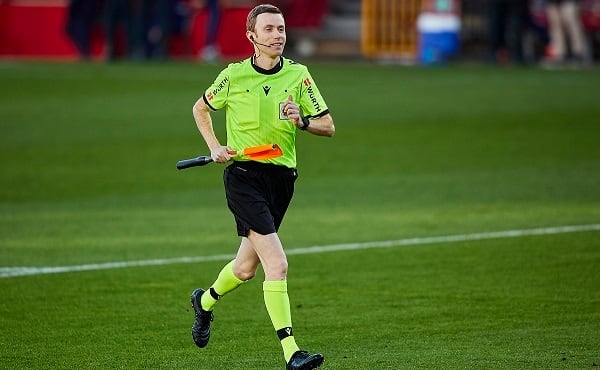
(214, 294)
(285, 332)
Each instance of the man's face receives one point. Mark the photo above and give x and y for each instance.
(270, 30)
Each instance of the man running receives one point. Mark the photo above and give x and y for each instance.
(267, 99)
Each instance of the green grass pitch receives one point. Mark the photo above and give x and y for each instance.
(87, 167)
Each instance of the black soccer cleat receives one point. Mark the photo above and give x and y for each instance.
(302, 360)
(201, 327)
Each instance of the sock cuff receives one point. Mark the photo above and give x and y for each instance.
(275, 286)
(229, 269)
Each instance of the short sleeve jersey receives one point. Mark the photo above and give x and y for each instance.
(253, 99)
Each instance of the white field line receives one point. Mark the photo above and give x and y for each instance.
(6, 272)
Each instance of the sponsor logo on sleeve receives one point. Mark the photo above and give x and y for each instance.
(313, 99)
(311, 94)
(217, 89)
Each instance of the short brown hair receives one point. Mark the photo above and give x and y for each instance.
(260, 9)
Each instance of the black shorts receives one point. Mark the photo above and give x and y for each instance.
(258, 195)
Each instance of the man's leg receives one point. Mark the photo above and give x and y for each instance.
(572, 21)
(271, 254)
(557, 38)
(235, 273)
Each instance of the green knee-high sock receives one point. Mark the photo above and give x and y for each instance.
(225, 283)
(278, 306)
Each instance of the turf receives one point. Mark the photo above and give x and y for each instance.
(87, 166)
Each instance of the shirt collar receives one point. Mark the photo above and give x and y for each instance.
(271, 71)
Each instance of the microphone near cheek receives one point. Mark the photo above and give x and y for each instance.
(258, 43)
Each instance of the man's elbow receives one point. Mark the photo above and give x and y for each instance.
(197, 106)
(330, 128)
(331, 131)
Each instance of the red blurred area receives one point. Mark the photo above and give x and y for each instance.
(36, 29)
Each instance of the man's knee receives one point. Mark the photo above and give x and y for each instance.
(244, 273)
(278, 269)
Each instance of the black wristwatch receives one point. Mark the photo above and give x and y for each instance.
(305, 123)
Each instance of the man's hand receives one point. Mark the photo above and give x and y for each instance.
(292, 111)
(322, 126)
(222, 154)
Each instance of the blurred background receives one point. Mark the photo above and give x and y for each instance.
(546, 32)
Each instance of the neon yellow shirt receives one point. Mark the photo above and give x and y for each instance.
(253, 99)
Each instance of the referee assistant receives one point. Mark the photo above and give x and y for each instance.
(267, 99)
